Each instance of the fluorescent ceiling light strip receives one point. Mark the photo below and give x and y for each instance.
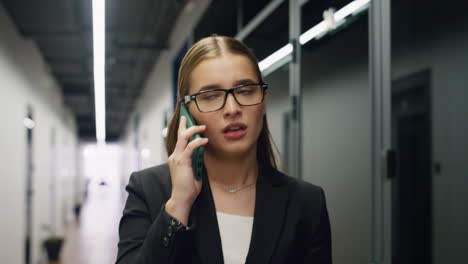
(313, 32)
(277, 65)
(275, 57)
(351, 9)
(99, 40)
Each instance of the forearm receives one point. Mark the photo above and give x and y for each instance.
(147, 239)
(160, 244)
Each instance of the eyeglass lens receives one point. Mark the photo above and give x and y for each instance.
(214, 100)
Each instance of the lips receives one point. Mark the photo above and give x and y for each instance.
(235, 130)
(234, 126)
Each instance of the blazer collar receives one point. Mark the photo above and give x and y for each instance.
(270, 206)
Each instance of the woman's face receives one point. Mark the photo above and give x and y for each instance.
(225, 72)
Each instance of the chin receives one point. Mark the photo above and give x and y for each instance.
(233, 148)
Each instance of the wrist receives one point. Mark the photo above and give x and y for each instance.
(182, 200)
(178, 210)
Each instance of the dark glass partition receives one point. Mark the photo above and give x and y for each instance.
(429, 131)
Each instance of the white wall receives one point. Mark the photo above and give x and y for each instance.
(27, 81)
(156, 98)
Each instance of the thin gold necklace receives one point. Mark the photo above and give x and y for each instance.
(232, 190)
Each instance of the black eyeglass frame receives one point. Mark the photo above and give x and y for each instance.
(193, 97)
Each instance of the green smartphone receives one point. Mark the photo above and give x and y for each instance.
(197, 158)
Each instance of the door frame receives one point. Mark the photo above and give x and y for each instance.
(380, 84)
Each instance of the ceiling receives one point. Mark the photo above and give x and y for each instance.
(136, 32)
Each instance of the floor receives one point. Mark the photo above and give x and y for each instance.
(93, 240)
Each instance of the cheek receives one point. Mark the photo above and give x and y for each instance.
(210, 131)
(200, 118)
(209, 121)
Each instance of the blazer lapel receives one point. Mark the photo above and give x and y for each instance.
(270, 208)
(207, 237)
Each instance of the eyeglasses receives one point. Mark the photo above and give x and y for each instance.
(213, 100)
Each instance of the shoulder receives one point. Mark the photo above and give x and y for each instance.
(307, 200)
(151, 181)
(159, 174)
(299, 187)
(304, 196)
(309, 194)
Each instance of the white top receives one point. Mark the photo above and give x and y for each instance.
(235, 232)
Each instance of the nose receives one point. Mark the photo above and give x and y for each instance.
(231, 108)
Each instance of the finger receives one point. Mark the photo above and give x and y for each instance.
(184, 136)
(194, 145)
(182, 125)
(180, 146)
(189, 132)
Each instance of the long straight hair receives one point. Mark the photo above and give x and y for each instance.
(212, 47)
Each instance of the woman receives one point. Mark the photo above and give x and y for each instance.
(243, 210)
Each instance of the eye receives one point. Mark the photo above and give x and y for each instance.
(209, 96)
(246, 90)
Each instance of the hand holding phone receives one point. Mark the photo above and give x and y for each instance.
(186, 166)
(197, 157)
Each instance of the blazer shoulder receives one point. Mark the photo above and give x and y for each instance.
(309, 199)
(308, 187)
(301, 186)
(152, 180)
(159, 173)
(308, 194)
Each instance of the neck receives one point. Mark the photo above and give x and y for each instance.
(231, 171)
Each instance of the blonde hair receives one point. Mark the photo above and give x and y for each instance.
(212, 47)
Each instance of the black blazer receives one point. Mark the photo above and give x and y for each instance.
(291, 223)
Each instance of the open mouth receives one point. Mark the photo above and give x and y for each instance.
(235, 131)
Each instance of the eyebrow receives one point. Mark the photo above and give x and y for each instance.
(217, 86)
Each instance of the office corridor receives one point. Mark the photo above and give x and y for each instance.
(366, 99)
(94, 239)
